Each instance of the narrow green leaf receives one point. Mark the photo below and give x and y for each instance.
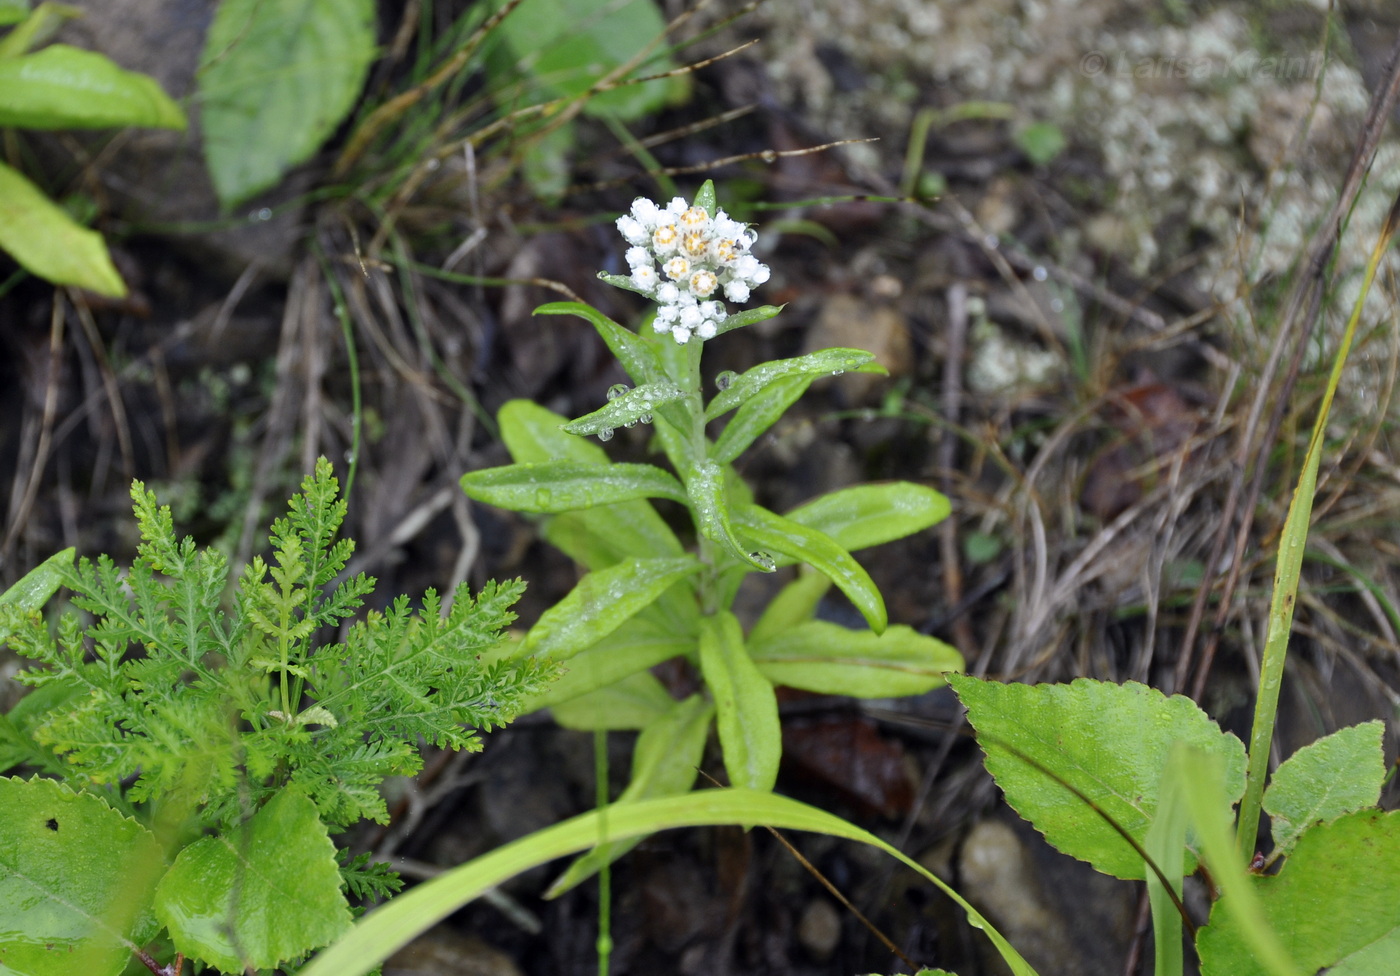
(13, 11)
(62, 87)
(563, 486)
(664, 763)
(748, 316)
(1165, 844)
(637, 645)
(1109, 741)
(47, 242)
(627, 410)
(794, 605)
(276, 79)
(870, 515)
(823, 363)
(264, 893)
(774, 534)
(601, 602)
(705, 198)
(834, 660)
(758, 413)
(629, 703)
(393, 925)
(35, 29)
(637, 357)
(708, 500)
(35, 587)
(1335, 905)
(76, 880)
(1337, 774)
(534, 433)
(746, 707)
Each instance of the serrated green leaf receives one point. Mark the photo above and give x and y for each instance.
(1334, 906)
(664, 763)
(628, 703)
(747, 384)
(772, 533)
(637, 357)
(746, 707)
(637, 645)
(266, 892)
(628, 409)
(601, 602)
(276, 79)
(834, 660)
(47, 242)
(563, 486)
(1110, 741)
(62, 87)
(870, 515)
(76, 880)
(758, 413)
(1337, 774)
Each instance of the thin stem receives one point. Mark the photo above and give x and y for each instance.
(600, 776)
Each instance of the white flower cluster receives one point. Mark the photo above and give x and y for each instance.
(699, 256)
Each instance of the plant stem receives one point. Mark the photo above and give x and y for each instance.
(600, 776)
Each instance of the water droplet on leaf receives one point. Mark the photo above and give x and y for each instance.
(606, 434)
(725, 379)
(616, 390)
(764, 561)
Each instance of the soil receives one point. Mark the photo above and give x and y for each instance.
(1073, 341)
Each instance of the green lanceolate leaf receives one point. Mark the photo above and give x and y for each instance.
(47, 242)
(823, 363)
(259, 895)
(750, 316)
(794, 605)
(627, 409)
(746, 708)
(601, 602)
(705, 198)
(276, 79)
(1111, 742)
(758, 413)
(35, 587)
(76, 880)
(664, 763)
(1335, 905)
(628, 703)
(774, 534)
(13, 11)
(563, 486)
(637, 645)
(834, 660)
(62, 87)
(637, 357)
(706, 488)
(1337, 774)
(870, 515)
(533, 433)
(35, 29)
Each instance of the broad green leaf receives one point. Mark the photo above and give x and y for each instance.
(76, 880)
(276, 79)
(1109, 741)
(35, 587)
(869, 515)
(375, 937)
(259, 895)
(1340, 773)
(628, 703)
(626, 410)
(664, 763)
(564, 486)
(565, 47)
(758, 413)
(62, 87)
(834, 660)
(827, 362)
(1335, 905)
(47, 242)
(600, 603)
(774, 534)
(747, 709)
(794, 605)
(708, 500)
(637, 357)
(637, 645)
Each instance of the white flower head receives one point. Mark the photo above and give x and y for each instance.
(684, 257)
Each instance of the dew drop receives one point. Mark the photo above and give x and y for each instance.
(764, 561)
(837, 372)
(645, 418)
(616, 390)
(1039, 273)
(543, 496)
(725, 380)
(605, 434)
(630, 424)
(990, 242)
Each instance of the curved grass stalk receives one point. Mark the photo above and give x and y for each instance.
(1292, 546)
